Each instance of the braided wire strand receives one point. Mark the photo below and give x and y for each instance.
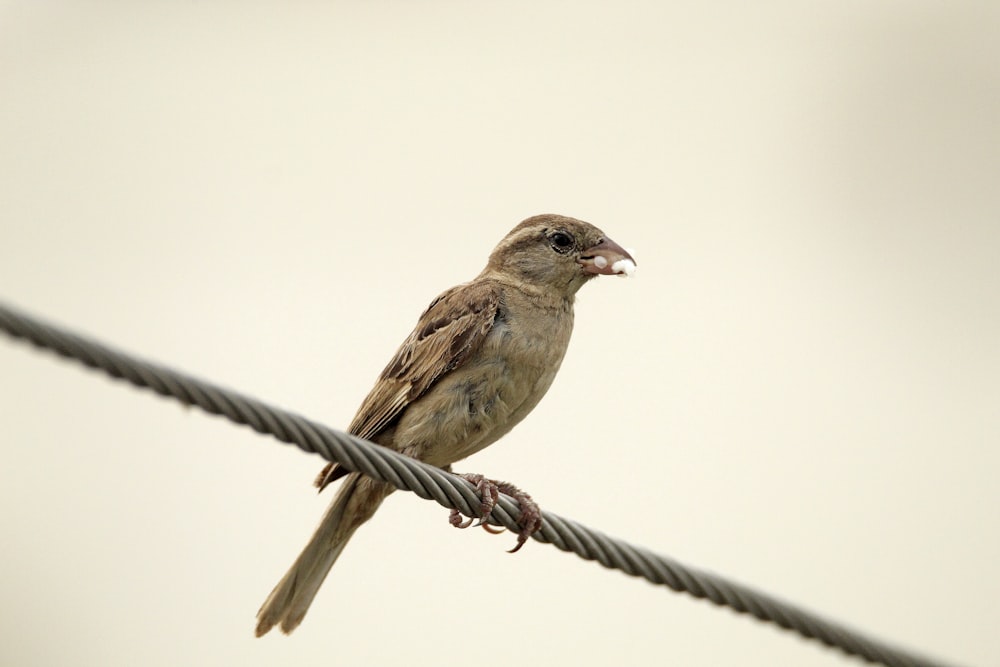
(450, 490)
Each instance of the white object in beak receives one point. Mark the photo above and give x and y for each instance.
(625, 266)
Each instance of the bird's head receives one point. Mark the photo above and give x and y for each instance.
(556, 251)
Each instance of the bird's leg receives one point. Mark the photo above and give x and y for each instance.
(489, 492)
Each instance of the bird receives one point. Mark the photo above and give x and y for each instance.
(480, 358)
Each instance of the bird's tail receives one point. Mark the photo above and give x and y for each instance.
(355, 502)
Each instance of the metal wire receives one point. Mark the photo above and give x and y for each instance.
(451, 491)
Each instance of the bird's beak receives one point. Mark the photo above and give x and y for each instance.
(607, 258)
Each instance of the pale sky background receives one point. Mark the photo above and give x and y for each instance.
(800, 389)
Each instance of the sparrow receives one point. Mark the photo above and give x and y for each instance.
(478, 361)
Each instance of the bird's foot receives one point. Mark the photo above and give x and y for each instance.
(489, 492)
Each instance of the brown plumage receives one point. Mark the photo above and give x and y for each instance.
(480, 358)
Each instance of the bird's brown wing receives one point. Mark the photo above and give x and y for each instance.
(451, 329)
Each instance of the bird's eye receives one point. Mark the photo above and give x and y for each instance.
(561, 241)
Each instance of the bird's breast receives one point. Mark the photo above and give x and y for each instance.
(478, 403)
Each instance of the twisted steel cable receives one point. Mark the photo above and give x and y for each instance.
(450, 490)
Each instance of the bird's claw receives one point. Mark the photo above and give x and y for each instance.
(531, 514)
(456, 519)
(489, 493)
